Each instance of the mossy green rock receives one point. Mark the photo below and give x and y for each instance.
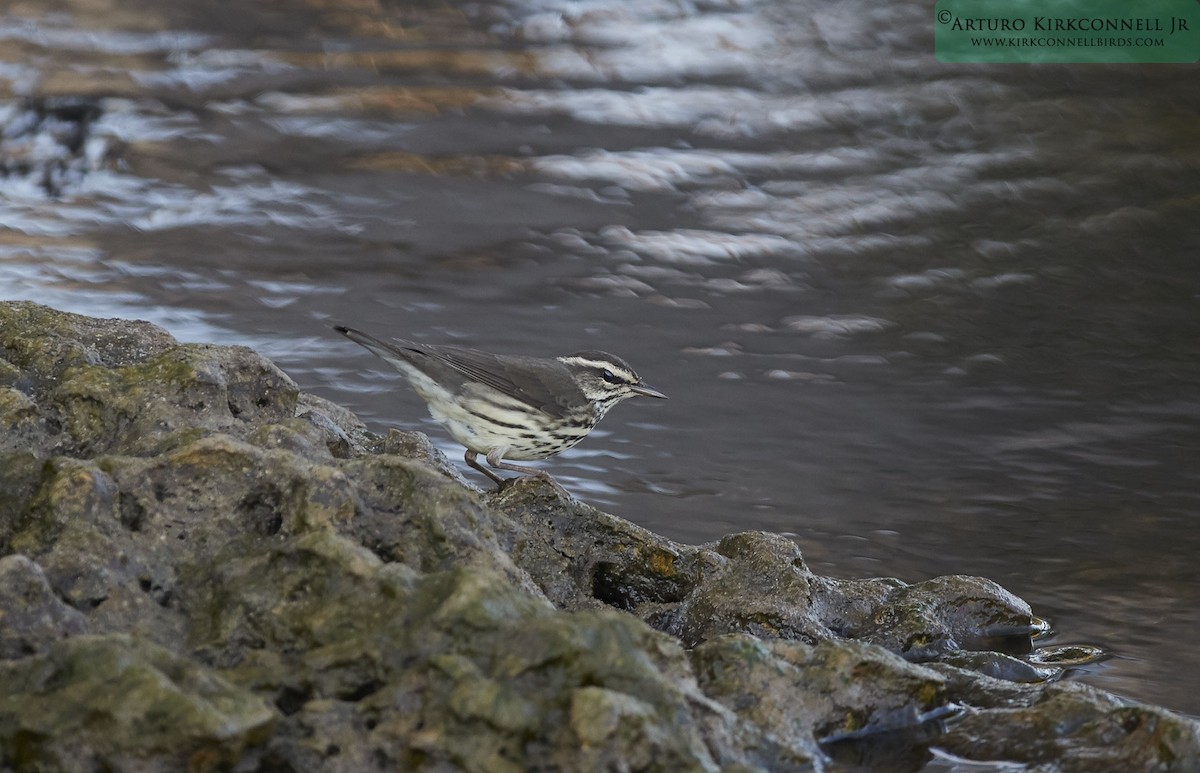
(203, 568)
(117, 702)
(100, 386)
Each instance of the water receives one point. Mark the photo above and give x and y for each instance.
(927, 319)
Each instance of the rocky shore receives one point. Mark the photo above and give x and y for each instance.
(204, 568)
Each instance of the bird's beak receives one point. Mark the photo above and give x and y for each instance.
(646, 391)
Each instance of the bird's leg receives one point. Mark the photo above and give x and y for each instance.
(494, 459)
(471, 460)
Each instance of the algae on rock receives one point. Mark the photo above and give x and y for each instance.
(105, 702)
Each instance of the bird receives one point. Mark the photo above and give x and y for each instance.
(510, 407)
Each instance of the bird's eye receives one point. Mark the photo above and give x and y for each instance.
(608, 376)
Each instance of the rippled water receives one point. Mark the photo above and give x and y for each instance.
(928, 319)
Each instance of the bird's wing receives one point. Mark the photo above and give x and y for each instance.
(544, 385)
(535, 382)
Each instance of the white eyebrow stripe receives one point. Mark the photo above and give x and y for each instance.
(601, 365)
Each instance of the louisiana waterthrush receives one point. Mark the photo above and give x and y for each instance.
(510, 407)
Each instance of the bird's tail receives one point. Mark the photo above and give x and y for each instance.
(389, 352)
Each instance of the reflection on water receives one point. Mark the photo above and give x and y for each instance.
(926, 319)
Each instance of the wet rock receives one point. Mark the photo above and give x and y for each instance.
(1066, 727)
(1062, 656)
(927, 619)
(803, 694)
(270, 586)
(763, 587)
(1001, 666)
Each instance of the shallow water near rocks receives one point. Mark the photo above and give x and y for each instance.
(926, 319)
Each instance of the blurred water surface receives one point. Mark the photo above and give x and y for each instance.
(927, 319)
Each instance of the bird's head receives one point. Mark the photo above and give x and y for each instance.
(606, 379)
